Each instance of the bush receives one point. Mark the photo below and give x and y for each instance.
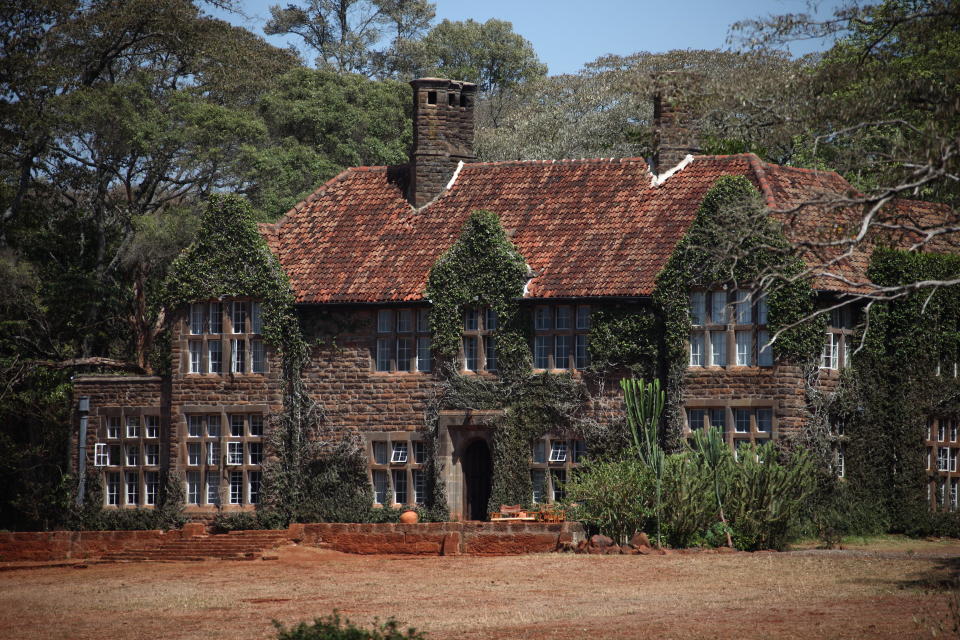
(836, 510)
(332, 627)
(765, 498)
(242, 521)
(614, 497)
(689, 508)
(92, 516)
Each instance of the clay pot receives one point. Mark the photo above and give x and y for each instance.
(409, 517)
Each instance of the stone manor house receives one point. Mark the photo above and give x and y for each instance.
(593, 232)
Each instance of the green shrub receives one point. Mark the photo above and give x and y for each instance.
(689, 507)
(92, 516)
(765, 498)
(332, 627)
(241, 521)
(615, 498)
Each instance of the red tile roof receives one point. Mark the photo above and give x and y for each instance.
(588, 228)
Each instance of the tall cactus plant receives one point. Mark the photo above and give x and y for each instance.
(715, 455)
(644, 407)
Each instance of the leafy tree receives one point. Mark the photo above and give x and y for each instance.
(489, 54)
(320, 122)
(607, 109)
(880, 106)
(120, 113)
(117, 117)
(345, 33)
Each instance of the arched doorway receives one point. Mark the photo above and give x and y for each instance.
(477, 476)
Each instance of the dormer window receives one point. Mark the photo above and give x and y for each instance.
(728, 328)
(241, 351)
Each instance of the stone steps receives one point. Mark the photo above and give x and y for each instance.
(236, 545)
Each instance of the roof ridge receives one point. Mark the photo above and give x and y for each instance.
(610, 160)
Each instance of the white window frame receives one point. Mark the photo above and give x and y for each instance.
(238, 355)
(135, 485)
(399, 452)
(212, 488)
(194, 484)
(131, 448)
(113, 427)
(194, 454)
(234, 453)
(151, 487)
(112, 497)
(254, 479)
(101, 455)
(195, 349)
(133, 426)
(213, 453)
(215, 357)
(255, 448)
(236, 487)
(558, 451)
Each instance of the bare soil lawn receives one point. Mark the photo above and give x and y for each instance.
(877, 590)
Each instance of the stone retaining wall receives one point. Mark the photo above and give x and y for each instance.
(40, 546)
(428, 538)
(440, 538)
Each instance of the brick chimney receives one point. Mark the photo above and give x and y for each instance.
(674, 124)
(442, 135)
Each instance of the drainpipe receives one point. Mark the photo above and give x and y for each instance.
(83, 407)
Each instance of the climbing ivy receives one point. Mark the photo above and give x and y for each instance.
(230, 259)
(481, 269)
(311, 472)
(484, 269)
(622, 337)
(732, 242)
(893, 389)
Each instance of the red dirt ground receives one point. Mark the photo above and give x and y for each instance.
(896, 592)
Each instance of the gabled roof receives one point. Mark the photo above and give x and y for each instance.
(587, 228)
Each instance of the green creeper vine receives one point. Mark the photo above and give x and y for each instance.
(622, 337)
(484, 269)
(732, 241)
(230, 259)
(312, 473)
(893, 389)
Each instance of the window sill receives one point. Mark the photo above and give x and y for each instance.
(727, 367)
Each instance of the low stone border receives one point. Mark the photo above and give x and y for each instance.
(441, 538)
(427, 538)
(40, 546)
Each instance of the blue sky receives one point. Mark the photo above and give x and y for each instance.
(568, 33)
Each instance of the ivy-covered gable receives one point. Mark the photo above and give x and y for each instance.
(482, 269)
(230, 259)
(733, 242)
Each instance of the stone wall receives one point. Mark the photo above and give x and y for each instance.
(781, 387)
(40, 546)
(341, 377)
(442, 538)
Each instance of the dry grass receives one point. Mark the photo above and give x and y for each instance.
(766, 595)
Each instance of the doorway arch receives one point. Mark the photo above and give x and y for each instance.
(477, 464)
